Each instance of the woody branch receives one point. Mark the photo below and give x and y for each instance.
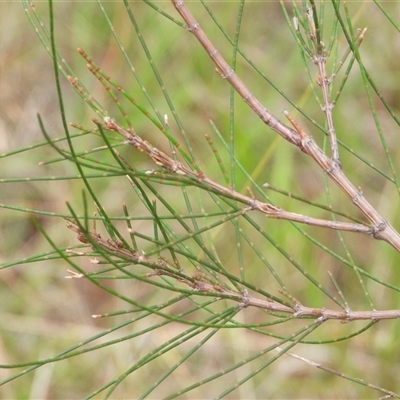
(199, 283)
(251, 203)
(381, 228)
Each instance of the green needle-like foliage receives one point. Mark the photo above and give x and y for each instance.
(160, 240)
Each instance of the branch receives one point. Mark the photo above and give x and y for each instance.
(206, 183)
(381, 228)
(199, 284)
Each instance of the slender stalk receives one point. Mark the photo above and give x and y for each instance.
(200, 284)
(269, 210)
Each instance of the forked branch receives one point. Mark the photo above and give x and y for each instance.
(381, 228)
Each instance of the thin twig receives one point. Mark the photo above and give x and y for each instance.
(319, 58)
(389, 393)
(269, 210)
(199, 283)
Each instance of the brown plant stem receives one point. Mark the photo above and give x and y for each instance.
(269, 210)
(381, 228)
(200, 284)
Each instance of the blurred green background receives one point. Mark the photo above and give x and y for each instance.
(42, 313)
